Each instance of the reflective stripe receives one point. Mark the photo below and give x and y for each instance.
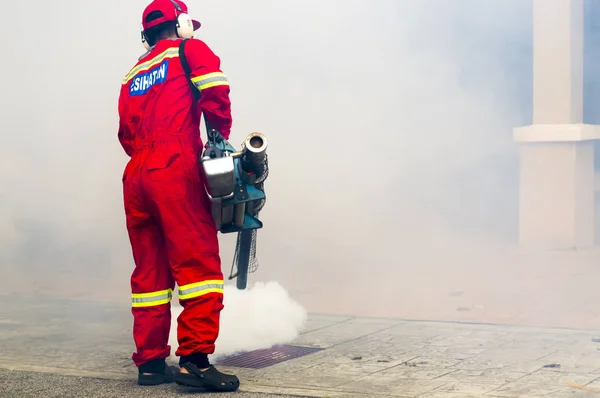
(172, 52)
(210, 80)
(200, 289)
(151, 299)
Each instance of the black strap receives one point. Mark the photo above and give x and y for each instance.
(187, 70)
(188, 73)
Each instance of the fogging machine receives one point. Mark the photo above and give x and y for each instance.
(235, 186)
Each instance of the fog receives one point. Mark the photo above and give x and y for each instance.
(393, 174)
(253, 319)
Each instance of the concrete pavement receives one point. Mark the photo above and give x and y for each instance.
(360, 357)
(17, 384)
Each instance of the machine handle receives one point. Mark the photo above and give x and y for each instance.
(214, 136)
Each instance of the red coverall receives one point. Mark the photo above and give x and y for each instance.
(172, 234)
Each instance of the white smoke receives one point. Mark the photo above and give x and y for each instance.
(259, 317)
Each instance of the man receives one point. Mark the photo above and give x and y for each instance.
(172, 234)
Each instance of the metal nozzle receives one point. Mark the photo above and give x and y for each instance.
(255, 147)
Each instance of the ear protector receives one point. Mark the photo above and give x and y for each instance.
(183, 24)
(145, 39)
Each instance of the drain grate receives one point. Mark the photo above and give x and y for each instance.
(268, 357)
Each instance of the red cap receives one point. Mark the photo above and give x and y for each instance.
(170, 9)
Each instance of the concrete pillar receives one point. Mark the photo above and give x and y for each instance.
(556, 153)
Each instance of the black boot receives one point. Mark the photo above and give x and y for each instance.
(155, 372)
(210, 380)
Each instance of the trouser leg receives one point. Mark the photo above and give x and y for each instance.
(193, 248)
(151, 285)
(192, 243)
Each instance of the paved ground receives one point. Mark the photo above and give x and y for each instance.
(16, 384)
(367, 357)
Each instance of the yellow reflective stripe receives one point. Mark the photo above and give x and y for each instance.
(210, 80)
(151, 299)
(168, 53)
(200, 293)
(152, 294)
(151, 303)
(204, 283)
(200, 289)
(213, 84)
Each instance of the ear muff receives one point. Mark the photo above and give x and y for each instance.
(185, 26)
(145, 40)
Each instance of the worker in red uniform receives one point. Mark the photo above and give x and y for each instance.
(171, 230)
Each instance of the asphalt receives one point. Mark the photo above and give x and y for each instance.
(19, 384)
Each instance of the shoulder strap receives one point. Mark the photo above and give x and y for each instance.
(187, 70)
(188, 73)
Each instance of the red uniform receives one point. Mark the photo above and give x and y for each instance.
(172, 234)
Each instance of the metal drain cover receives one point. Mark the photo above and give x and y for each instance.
(264, 358)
